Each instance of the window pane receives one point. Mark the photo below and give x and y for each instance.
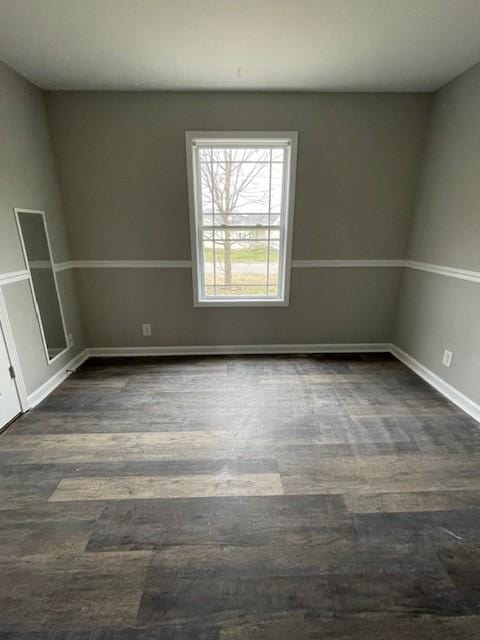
(241, 264)
(245, 290)
(208, 262)
(240, 220)
(273, 263)
(205, 154)
(240, 217)
(234, 154)
(206, 196)
(253, 191)
(235, 187)
(278, 154)
(277, 188)
(259, 234)
(248, 266)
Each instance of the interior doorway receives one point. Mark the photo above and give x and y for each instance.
(10, 406)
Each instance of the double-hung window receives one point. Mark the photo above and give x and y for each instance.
(241, 204)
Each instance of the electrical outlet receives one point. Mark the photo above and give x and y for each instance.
(147, 329)
(447, 358)
(70, 340)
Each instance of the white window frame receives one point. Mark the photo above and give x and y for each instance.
(254, 138)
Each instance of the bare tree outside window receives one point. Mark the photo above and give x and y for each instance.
(241, 192)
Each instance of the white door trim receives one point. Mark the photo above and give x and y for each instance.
(13, 354)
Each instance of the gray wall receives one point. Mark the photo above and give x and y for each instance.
(438, 312)
(326, 306)
(123, 176)
(48, 306)
(28, 180)
(367, 187)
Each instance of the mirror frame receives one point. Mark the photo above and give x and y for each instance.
(32, 288)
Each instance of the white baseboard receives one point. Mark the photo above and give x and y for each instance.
(457, 397)
(47, 387)
(241, 349)
(446, 389)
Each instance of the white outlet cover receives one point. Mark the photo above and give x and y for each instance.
(447, 358)
(147, 329)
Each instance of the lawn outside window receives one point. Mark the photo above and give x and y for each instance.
(241, 191)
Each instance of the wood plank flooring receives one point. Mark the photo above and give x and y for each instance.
(241, 498)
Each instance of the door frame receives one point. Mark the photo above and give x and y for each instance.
(12, 353)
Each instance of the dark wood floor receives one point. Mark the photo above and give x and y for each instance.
(241, 498)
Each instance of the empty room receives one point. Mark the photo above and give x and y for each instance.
(240, 320)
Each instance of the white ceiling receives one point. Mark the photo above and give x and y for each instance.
(344, 45)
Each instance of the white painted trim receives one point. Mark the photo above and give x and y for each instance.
(239, 349)
(446, 389)
(13, 276)
(18, 211)
(187, 264)
(242, 302)
(458, 398)
(64, 266)
(52, 383)
(335, 264)
(28, 210)
(13, 354)
(131, 264)
(451, 272)
(290, 184)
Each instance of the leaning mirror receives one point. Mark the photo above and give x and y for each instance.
(36, 248)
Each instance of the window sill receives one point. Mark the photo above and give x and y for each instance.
(241, 303)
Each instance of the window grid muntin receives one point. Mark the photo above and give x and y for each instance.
(284, 146)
